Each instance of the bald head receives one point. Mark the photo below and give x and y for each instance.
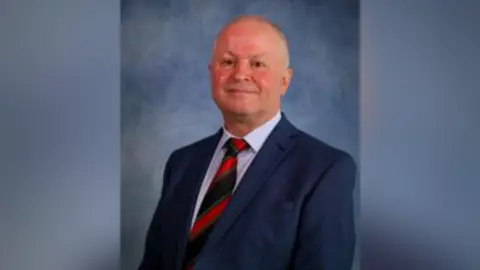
(262, 23)
(249, 72)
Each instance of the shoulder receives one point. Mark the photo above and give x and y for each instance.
(333, 170)
(319, 150)
(313, 151)
(189, 150)
(324, 160)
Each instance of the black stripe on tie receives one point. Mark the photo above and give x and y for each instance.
(219, 189)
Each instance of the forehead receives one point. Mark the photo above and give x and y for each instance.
(245, 38)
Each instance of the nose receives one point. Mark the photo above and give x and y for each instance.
(242, 71)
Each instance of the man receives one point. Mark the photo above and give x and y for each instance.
(258, 194)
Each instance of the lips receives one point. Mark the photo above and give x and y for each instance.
(240, 90)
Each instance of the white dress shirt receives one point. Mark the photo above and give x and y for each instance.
(255, 139)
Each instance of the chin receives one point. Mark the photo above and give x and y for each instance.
(237, 107)
(238, 112)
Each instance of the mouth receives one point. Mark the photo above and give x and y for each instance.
(239, 91)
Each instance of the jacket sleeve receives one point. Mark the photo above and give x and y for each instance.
(326, 236)
(152, 257)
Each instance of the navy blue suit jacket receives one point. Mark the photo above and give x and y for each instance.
(292, 211)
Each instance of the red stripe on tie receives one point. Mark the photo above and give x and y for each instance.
(227, 164)
(239, 144)
(208, 218)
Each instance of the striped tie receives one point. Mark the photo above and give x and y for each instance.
(215, 201)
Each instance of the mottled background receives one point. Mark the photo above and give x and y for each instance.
(60, 134)
(166, 99)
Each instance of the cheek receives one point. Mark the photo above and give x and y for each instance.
(265, 81)
(220, 77)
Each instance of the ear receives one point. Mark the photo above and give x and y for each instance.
(286, 78)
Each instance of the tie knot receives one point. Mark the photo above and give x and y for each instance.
(235, 146)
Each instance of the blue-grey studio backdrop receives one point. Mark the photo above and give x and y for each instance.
(59, 123)
(165, 98)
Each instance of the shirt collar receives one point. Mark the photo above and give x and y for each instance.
(256, 137)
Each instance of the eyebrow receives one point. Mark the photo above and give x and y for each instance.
(258, 55)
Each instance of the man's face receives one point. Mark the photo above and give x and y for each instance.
(248, 72)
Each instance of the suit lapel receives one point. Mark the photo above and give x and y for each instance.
(189, 189)
(265, 163)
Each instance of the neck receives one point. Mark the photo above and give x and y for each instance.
(241, 125)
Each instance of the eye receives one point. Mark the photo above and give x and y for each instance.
(258, 64)
(227, 62)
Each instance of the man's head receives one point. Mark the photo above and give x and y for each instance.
(249, 69)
